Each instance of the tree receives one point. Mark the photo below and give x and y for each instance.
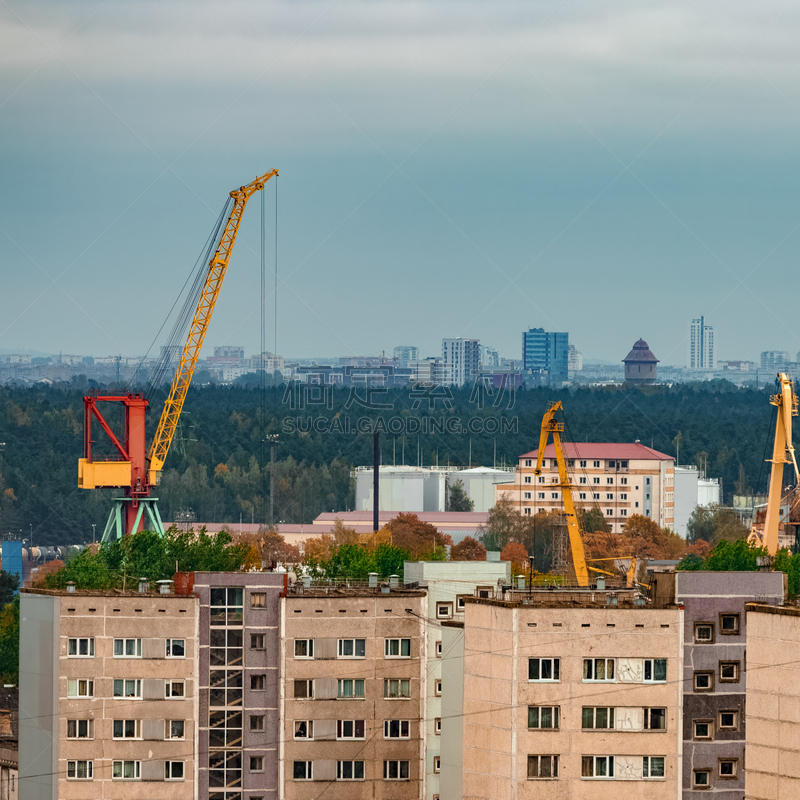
(502, 525)
(592, 520)
(342, 534)
(458, 499)
(700, 525)
(646, 539)
(9, 642)
(517, 555)
(420, 539)
(9, 584)
(468, 549)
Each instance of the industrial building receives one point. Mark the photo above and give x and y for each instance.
(692, 489)
(620, 479)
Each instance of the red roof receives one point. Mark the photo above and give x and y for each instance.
(602, 450)
(640, 354)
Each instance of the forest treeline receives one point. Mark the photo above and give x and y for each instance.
(218, 466)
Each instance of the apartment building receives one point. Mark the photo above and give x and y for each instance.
(238, 674)
(546, 354)
(773, 702)
(108, 695)
(618, 478)
(448, 584)
(563, 695)
(716, 663)
(461, 359)
(353, 692)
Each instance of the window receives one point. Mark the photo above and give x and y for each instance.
(301, 770)
(444, 610)
(174, 689)
(704, 681)
(703, 728)
(597, 767)
(227, 607)
(527, 495)
(542, 767)
(437, 687)
(256, 763)
(304, 729)
(595, 480)
(349, 770)
(728, 768)
(597, 719)
(583, 463)
(703, 633)
(540, 495)
(729, 624)
(528, 462)
(623, 496)
(582, 480)
(609, 512)
(623, 465)
(437, 726)
(598, 669)
(647, 481)
(728, 721)
(225, 730)
(609, 480)
(176, 727)
(127, 648)
(173, 770)
(543, 669)
(395, 688)
(595, 496)
(623, 481)
(624, 512)
(256, 722)
(653, 766)
(554, 495)
(397, 648)
(303, 689)
(439, 649)
(701, 778)
(226, 687)
(352, 648)
(655, 670)
(350, 729)
(460, 604)
(728, 671)
(80, 770)
(395, 770)
(80, 648)
(582, 495)
(349, 688)
(127, 687)
(126, 770)
(258, 600)
(609, 496)
(527, 479)
(655, 719)
(437, 764)
(304, 648)
(226, 648)
(543, 717)
(176, 648)
(257, 641)
(527, 511)
(127, 729)
(396, 729)
(80, 729)
(258, 682)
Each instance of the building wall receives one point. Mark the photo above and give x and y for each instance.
(452, 736)
(499, 640)
(707, 596)
(546, 350)
(374, 617)
(773, 703)
(255, 659)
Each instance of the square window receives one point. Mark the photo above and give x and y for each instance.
(303, 689)
(728, 721)
(258, 682)
(304, 648)
(301, 770)
(256, 763)
(350, 771)
(655, 719)
(350, 729)
(704, 633)
(176, 729)
(304, 729)
(460, 604)
(126, 770)
(728, 671)
(728, 768)
(597, 718)
(729, 624)
(128, 687)
(703, 728)
(704, 681)
(655, 670)
(174, 689)
(597, 767)
(173, 771)
(444, 610)
(348, 688)
(257, 641)
(176, 648)
(258, 600)
(394, 688)
(701, 779)
(653, 767)
(126, 729)
(80, 770)
(396, 770)
(80, 729)
(256, 722)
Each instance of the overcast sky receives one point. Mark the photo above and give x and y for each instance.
(611, 168)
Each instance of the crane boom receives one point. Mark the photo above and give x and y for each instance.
(197, 332)
(551, 427)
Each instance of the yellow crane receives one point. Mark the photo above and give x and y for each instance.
(550, 427)
(782, 454)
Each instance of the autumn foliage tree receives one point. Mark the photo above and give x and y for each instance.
(421, 539)
(517, 555)
(468, 549)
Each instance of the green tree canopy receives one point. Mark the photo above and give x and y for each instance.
(458, 499)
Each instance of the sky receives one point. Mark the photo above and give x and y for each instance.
(611, 168)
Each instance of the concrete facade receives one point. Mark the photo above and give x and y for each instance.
(773, 703)
(448, 584)
(452, 747)
(239, 664)
(352, 693)
(536, 716)
(108, 695)
(692, 490)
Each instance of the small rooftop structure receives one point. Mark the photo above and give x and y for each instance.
(640, 364)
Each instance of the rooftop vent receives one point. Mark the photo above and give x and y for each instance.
(71, 586)
(601, 584)
(394, 581)
(373, 580)
(520, 581)
(307, 581)
(492, 555)
(164, 587)
(612, 600)
(144, 586)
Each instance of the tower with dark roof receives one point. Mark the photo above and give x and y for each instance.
(640, 364)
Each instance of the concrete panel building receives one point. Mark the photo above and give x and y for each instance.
(353, 693)
(692, 490)
(618, 478)
(561, 697)
(108, 695)
(773, 702)
(448, 584)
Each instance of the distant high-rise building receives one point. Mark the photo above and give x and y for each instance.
(575, 359)
(775, 360)
(490, 357)
(548, 352)
(405, 354)
(462, 360)
(701, 345)
(229, 351)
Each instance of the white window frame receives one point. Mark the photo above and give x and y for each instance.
(137, 730)
(168, 684)
(437, 764)
(137, 768)
(609, 776)
(387, 682)
(354, 643)
(340, 768)
(78, 640)
(309, 770)
(137, 647)
(555, 670)
(170, 648)
(309, 648)
(309, 737)
(170, 723)
(77, 724)
(647, 768)
(437, 726)
(340, 732)
(89, 687)
(652, 678)
(342, 683)
(448, 610)
(648, 718)
(137, 689)
(392, 644)
(72, 766)
(169, 767)
(609, 726)
(439, 648)
(403, 729)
